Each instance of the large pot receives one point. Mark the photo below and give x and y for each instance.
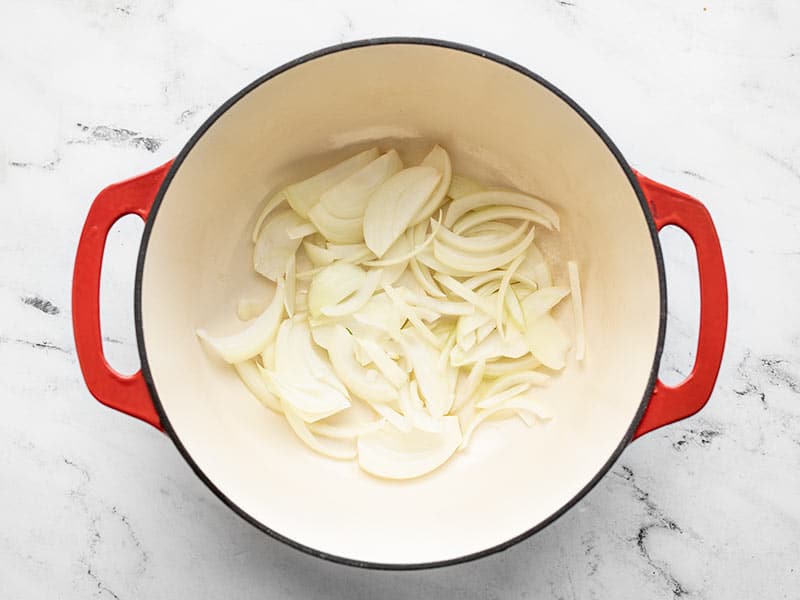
(499, 121)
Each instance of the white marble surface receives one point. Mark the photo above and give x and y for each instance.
(703, 95)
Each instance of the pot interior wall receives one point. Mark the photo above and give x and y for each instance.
(499, 126)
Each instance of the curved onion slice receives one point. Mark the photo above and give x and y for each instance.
(254, 338)
(502, 396)
(478, 280)
(301, 430)
(319, 257)
(392, 207)
(388, 262)
(436, 384)
(411, 314)
(274, 246)
(482, 243)
(336, 229)
(412, 407)
(249, 373)
(466, 390)
(461, 186)
(423, 276)
(577, 309)
(397, 376)
(442, 307)
(332, 284)
(500, 198)
(302, 230)
(512, 379)
(357, 300)
(274, 202)
(375, 388)
(472, 261)
(302, 377)
(439, 160)
(505, 366)
(467, 294)
(494, 346)
(505, 282)
(348, 198)
(542, 301)
(517, 404)
(535, 267)
(548, 343)
(302, 196)
(492, 213)
(394, 454)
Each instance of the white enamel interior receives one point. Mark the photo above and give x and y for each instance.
(499, 126)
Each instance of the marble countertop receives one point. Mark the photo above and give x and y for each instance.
(701, 95)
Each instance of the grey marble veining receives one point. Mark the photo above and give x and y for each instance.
(701, 95)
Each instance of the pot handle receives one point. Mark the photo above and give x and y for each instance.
(672, 403)
(126, 393)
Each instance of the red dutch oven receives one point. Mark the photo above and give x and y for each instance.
(499, 122)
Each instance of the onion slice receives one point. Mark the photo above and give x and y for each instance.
(249, 374)
(394, 454)
(500, 198)
(439, 160)
(466, 261)
(302, 196)
(392, 206)
(254, 338)
(577, 308)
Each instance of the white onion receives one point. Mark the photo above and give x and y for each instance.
(410, 330)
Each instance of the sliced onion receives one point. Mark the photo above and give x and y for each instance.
(513, 379)
(410, 314)
(484, 278)
(274, 202)
(471, 261)
(436, 384)
(254, 338)
(467, 389)
(302, 431)
(493, 213)
(548, 343)
(502, 396)
(348, 198)
(304, 195)
(459, 289)
(249, 374)
(319, 257)
(291, 286)
(332, 284)
(358, 300)
(482, 243)
(394, 454)
(493, 347)
(388, 262)
(375, 388)
(302, 230)
(302, 377)
(542, 302)
(336, 229)
(501, 294)
(392, 206)
(442, 307)
(389, 368)
(411, 405)
(274, 246)
(423, 276)
(535, 267)
(439, 160)
(516, 404)
(505, 366)
(577, 309)
(500, 198)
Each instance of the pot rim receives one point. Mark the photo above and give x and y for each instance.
(145, 367)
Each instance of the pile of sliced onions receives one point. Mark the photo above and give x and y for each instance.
(410, 306)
